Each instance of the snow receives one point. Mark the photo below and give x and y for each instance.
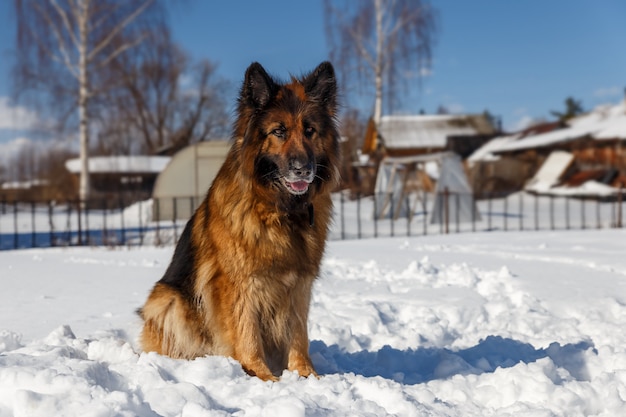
(483, 324)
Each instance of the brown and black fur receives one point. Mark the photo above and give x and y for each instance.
(239, 283)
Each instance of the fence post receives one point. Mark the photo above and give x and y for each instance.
(446, 211)
(506, 214)
(473, 212)
(489, 210)
(425, 213)
(15, 224)
(582, 213)
(567, 225)
(358, 214)
(69, 222)
(122, 224)
(51, 223)
(140, 223)
(32, 225)
(409, 216)
(105, 231)
(174, 215)
(157, 216)
(392, 210)
(342, 216)
(536, 212)
(551, 212)
(620, 198)
(79, 204)
(457, 200)
(87, 237)
(521, 211)
(375, 214)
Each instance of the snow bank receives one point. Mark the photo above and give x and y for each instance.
(524, 324)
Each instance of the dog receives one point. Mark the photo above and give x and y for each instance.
(239, 283)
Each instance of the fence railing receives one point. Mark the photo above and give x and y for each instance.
(29, 224)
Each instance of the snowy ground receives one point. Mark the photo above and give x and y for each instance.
(485, 324)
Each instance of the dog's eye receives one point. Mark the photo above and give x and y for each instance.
(309, 131)
(279, 133)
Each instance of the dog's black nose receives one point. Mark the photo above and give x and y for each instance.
(302, 169)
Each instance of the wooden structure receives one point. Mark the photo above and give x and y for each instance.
(597, 141)
(399, 136)
(402, 183)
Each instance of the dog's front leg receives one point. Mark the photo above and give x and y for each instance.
(248, 348)
(299, 359)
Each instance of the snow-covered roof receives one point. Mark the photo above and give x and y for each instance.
(485, 152)
(120, 164)
(23, 185)
(604, 122)
(429, 131)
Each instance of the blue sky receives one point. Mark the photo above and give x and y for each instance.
(517, 59)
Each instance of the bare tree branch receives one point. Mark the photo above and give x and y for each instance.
(117, 29)
(380, 41)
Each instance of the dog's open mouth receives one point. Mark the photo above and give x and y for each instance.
(296, 187)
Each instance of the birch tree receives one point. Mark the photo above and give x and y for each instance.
(380, 44)
(63, 47)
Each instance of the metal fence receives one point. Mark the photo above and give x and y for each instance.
(31, 224)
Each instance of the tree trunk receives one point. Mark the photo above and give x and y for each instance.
(83, 101)
(378, 70)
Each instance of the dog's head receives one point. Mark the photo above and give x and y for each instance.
(288, 133)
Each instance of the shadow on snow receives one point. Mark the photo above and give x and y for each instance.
(427, 364)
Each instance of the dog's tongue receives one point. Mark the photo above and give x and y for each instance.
(299, 185)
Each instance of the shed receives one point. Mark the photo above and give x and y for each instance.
(116, 178)
(399, 178)
(184, 182)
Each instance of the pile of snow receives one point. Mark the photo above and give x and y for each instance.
(490, 324)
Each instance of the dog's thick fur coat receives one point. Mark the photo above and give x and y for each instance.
(239, 283)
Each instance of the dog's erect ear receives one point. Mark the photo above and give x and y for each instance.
(258, 87)
(321, 86)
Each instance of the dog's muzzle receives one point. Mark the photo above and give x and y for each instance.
(299, 177)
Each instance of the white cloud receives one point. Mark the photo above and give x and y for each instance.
(15, 117)
(608, 92)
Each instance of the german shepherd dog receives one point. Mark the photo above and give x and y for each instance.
(239, 283)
